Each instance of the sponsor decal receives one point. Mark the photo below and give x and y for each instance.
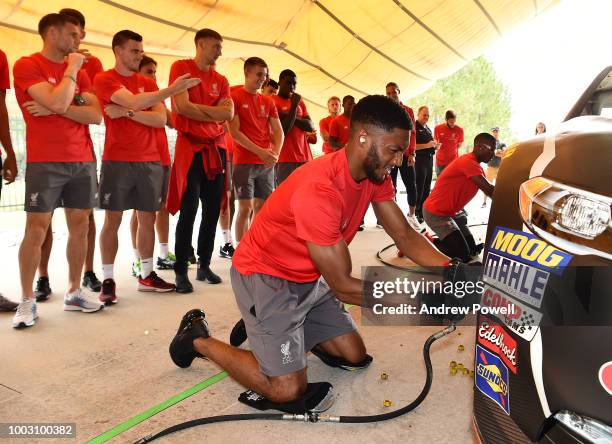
(605, 377)
(141, 89)
(521, 319)
(52, 80)
(262, 110)
(492, 378)
(492, 336)
(245, 105)
(514, 278)
(528, 249)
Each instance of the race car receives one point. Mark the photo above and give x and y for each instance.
(543, 372)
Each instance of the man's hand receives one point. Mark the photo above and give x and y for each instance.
(183, 83)
(410, 159)
(115, 111)
(85, 53)
(76, 60)
(268, 157)
(9, 169)
(36, 109)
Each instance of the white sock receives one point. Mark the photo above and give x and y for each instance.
(108, 271)
(146, 267)
(163, 250)
(136, 255)
(227, 236)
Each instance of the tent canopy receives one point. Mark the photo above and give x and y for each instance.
(336, 47)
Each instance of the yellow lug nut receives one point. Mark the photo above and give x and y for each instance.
(461, 347)
(453, 371)
(466, 371)
(387, 403)
(460, 366)
(453, 364)
(472, 373)
(384, 376)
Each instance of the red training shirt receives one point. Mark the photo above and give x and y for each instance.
(254, 112)
(51, 138)
(454, 187)
(213, 88)
(319, 203)
(324, 128)
(339, 128)
(5, 82)
(92, 67)
(126, 140)
(412, 145)
(295, 146)
(450, 138)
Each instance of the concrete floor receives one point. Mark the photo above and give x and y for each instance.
(98, 370)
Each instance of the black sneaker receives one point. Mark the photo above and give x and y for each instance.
(238, 334)
(192, 326)
(183, 285)
(90, 281)
(165, 264)
(226, 250)
(206, 274)
(43, 289)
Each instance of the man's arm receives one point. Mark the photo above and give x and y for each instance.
(422, 146)
(57, 99)
(267, 157)
(89, 113)
(277, 134)
(415, 246)
(155, 118)
(288, 120)
(223, 110)
(483, 185)
(334, 263)
(333, 143)
(305, 124)
(9, 169)
(324, 133)
(138, 102)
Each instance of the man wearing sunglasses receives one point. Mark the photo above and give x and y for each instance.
(455, 187)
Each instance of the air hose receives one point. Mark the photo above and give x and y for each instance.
(318, 417)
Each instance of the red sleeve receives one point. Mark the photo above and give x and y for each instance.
(273, 110)
(436, 133)
(151, 85)
(5, 81)
(177, 69)
(460, 135)
(334, 129)
(224, 92)
(105, 86)
(384, 192)
(26, 73)
(324, 125)
(83, 82)
(412, 144)
(304, 110)
(317, 209)
(93, 67)
(472, 169)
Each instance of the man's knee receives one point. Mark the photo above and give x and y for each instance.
(37, 227)
(287, 388)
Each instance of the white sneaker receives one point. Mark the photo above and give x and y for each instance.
(414, 223)
(26, 314)
(77, 301)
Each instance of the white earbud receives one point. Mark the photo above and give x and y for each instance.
(362, 139)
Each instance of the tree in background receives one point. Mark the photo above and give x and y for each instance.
(480, 99)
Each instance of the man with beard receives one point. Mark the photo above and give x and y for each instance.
(292, 269)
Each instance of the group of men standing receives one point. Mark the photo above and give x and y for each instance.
(228, 139)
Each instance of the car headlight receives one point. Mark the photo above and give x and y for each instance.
(589, 429)
(575, 220)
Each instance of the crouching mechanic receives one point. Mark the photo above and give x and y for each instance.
(455, 187)
(292, 269)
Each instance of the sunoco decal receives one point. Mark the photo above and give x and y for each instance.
(493, 337)
(605, 377)
(522, 319)
(519, 280)
(492, 378)
(528, 249)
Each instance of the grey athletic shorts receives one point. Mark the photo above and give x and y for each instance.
(253, 180)
(445, 225)
(60, 184)
(131, 185)
(290, 319)
(284, 169)
(166, 182)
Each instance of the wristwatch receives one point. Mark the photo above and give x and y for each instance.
(131, 113)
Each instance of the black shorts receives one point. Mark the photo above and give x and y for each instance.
(131, 185)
